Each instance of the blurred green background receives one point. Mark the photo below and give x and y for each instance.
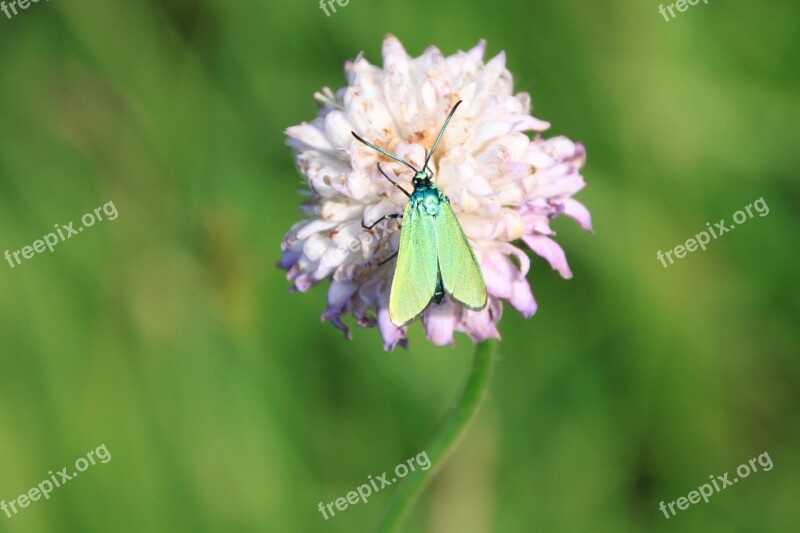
(169, 335)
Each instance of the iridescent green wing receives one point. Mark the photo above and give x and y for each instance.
(459, 268)
(416, 271)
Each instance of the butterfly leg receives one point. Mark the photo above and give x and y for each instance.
(388, 259)
(385, 217)
(393, 182)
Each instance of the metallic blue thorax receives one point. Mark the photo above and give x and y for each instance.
(427, 194)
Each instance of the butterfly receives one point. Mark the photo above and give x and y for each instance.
(434, 257)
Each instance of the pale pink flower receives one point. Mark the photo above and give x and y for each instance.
(503, 185)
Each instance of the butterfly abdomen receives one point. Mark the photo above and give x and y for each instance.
(438, 294)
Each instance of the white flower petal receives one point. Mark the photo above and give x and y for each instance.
(476, 54)
(337, 129)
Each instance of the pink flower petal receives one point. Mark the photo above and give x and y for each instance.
(482, 325)
(440, 323)
(522, 298)
(392, 335)
(548, 249)
(576, 210)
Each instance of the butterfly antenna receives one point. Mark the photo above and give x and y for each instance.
(426, 167)
(439, 138)
(384, 152)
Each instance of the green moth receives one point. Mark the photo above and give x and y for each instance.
(434, 257)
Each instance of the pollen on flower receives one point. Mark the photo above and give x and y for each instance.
(505, 182)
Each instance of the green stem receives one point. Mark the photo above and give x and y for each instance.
(452, 427)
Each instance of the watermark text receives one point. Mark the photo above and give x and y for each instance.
(44, 488)
(364, 491)
(718, 484)
(720, 228)
(62, 233)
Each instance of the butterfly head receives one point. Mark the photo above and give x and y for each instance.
(421, 179)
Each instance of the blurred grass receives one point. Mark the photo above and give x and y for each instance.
(168, 334)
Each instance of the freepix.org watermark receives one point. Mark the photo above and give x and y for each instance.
(62, 233)
(719, 483)
(369, 488)
(381, 230)
(13, 4)
(326, 4)
(56, 480)
(720, 228)
(680, 5)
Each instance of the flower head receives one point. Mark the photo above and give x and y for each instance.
(503, 185)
